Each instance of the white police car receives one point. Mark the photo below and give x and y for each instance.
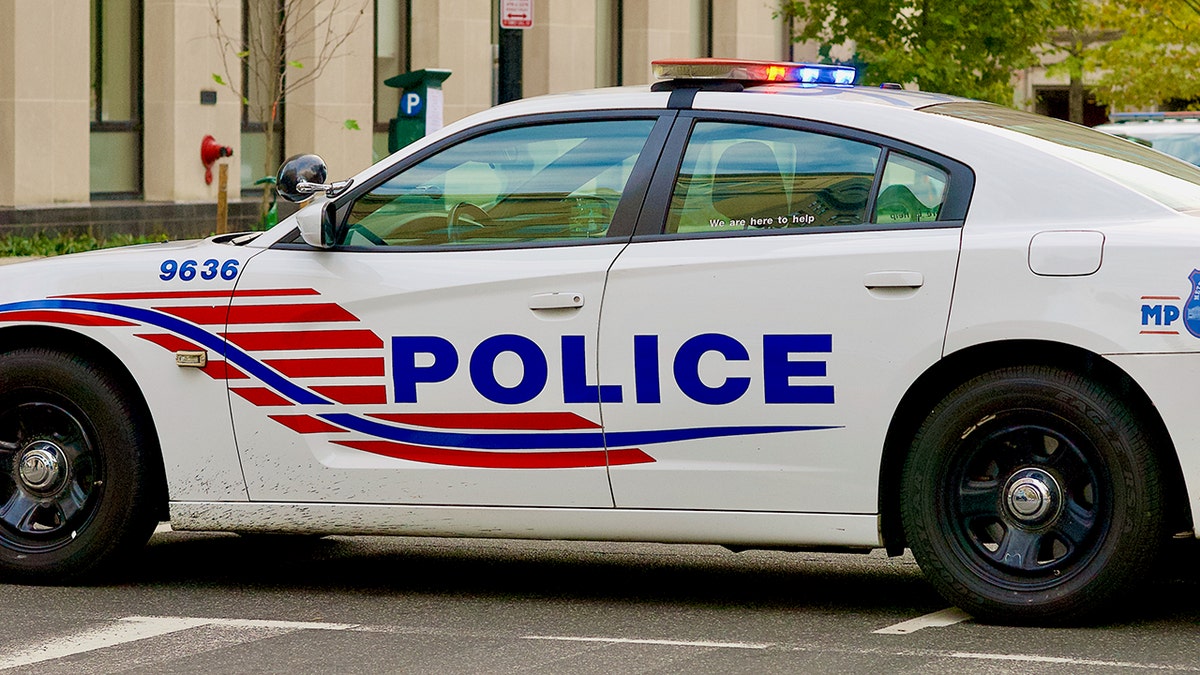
(1175, 133)
(751, 305)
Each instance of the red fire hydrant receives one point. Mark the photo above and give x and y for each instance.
(211, 151)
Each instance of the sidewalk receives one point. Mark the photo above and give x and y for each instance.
(16, 259)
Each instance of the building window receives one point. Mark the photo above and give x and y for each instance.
(262, 105)
(392, 57)
(1054, 101)
(115, 152)
(702, 27)
(609, 42)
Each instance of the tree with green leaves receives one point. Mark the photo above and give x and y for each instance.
(965, 47)
(284, 45)
(1155, 58)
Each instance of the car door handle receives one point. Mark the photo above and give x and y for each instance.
(556, 301)
(894, 279)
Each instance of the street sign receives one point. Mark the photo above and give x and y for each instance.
(516, 13)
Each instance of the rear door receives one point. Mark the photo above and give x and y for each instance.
(788, 284)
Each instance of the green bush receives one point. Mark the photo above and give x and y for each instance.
(42, 244)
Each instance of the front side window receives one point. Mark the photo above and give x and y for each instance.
(748, 177)
(545, 183)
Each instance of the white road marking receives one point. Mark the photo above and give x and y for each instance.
(112, 634)
(646, 641)
(946, 617)
(133, 628)
(1033, 658)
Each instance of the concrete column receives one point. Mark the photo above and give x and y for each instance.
(746, 29)
(456, 35)
(317, 112)
(655, 29)
(181, 54)
(560, 48)
(44, 90)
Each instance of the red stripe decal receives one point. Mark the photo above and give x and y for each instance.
(251, 314)
(354, 394)
(548, 421)
(627, 456)
(348, 367)
(221, 370)
(171, 295)
(273, 292)
(495, 460)
(56, 316)
(306, 339)
(205, 316)
(261, 396)
(306, 424)
(171, 343)
(232, 373)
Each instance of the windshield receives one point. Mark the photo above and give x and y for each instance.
(1164, 179)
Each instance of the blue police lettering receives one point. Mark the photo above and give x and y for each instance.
(687, 369)
(1161, 315)
(428, 360)
(483, 369)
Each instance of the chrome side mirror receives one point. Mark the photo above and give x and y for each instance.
(317, 223)
(301, 176)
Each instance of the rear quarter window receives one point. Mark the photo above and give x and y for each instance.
(1170, 181)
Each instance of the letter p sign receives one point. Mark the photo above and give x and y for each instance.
(412, 104)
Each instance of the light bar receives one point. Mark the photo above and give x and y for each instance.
(1147, 116)
(752, 71)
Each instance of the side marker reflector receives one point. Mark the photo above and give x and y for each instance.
(191, 359)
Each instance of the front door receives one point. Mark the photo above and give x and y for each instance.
(444, 351)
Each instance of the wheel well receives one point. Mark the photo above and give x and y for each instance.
(63, 340)
(959, 367)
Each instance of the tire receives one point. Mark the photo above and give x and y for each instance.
(76, 496)
(1031, 495)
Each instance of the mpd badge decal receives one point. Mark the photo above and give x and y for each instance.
(1191, 309)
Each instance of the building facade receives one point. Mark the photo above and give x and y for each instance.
(104, 103)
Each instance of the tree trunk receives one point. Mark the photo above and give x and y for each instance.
(1075, 100)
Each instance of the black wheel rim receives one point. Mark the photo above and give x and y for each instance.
(52, 475)
(1029, 499)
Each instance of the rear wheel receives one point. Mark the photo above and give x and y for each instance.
(75, 493)
(1032, 495)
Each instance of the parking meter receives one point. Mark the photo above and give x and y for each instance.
(421, 109)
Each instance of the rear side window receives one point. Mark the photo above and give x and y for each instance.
(749, 177)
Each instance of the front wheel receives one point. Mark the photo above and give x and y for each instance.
(75, 491)
(1032, 495)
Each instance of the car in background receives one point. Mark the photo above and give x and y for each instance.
(750, 305)
(1175, 133)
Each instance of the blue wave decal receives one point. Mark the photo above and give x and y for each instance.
(589, 440)
(188, 330)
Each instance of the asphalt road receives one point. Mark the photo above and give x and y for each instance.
(214, 603)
